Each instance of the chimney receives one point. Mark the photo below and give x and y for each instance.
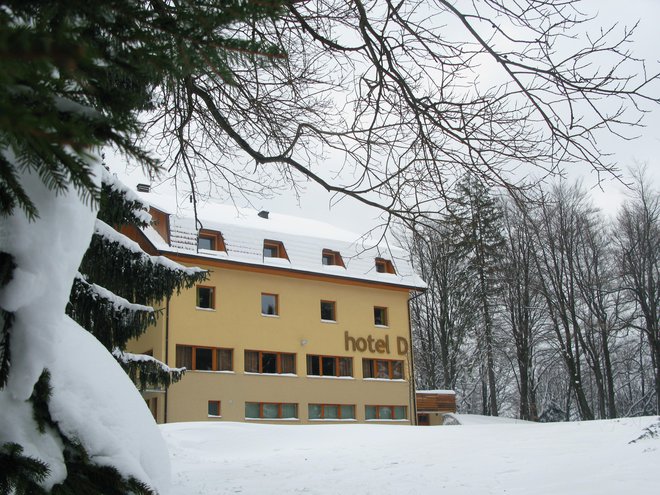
(263, 214)
(145, 188)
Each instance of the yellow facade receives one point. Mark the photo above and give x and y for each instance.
(236, 322)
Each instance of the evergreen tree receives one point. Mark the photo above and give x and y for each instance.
(83, 476)
(446, 313)
(478, 223)
(118, 282)
(76, 76)
(638, 252)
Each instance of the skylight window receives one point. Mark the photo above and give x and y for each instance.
(384, 266)
(274, 249)
(330, 258)
(210, 240)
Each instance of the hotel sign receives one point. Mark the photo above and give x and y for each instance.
(374, 345)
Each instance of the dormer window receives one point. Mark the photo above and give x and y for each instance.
(274, 249)
(210, 240)
(384, 266)
(329, 257)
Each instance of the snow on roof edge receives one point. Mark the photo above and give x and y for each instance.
(244, 231)
(417, 285)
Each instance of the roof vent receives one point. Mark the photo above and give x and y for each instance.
(263, 214)
(143, 188)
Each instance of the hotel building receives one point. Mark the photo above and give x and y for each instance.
(298, 321)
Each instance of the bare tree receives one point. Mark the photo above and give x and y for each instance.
(638, 246)
(565, 305)
(404, 97)
(446, 313)
(557, 228)
(603, 306)
(635, 376)
(522, 302)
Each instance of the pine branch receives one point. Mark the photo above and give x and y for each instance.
(20, 474)
(120, 205)
(119, 264)
(111, 319)
(147, 371)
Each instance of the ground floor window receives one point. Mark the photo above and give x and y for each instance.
(214, 408)
(270, 362)
(329, 365)
(382, 368)
(270, 410)
(204, 358)
(385, 412)
(331, 411)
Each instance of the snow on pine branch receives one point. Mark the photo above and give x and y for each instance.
(118, 302)
(115, 184)
(66, 105)
(104, 230)
(147, 372)
(129, 357)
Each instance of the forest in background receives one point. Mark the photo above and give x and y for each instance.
(543, 309)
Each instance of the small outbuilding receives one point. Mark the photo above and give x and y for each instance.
(432, 405)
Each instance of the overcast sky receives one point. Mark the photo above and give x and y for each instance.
(647, 45)
(351, 215)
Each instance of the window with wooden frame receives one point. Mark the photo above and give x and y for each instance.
(329, 365)
(270, 362)
(270, 304)
(385, 412)
(271, 410)
(330, 258)
(331, 411)
(384, 266)
(387, 369)
(328, 311)
(210, 240)
(274, 249)
(214, 409)
(380, 316)
(199, 358)
(205, 297)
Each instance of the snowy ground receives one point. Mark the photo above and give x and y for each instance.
(598, 457)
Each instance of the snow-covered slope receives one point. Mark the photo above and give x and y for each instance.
(598, 457)
(476, 419)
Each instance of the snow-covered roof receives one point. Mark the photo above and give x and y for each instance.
(244, 232)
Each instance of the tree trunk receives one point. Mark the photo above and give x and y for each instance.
(488, 341)
(609, 376)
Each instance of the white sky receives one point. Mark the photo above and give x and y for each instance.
(647, 45)
(349, 214)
